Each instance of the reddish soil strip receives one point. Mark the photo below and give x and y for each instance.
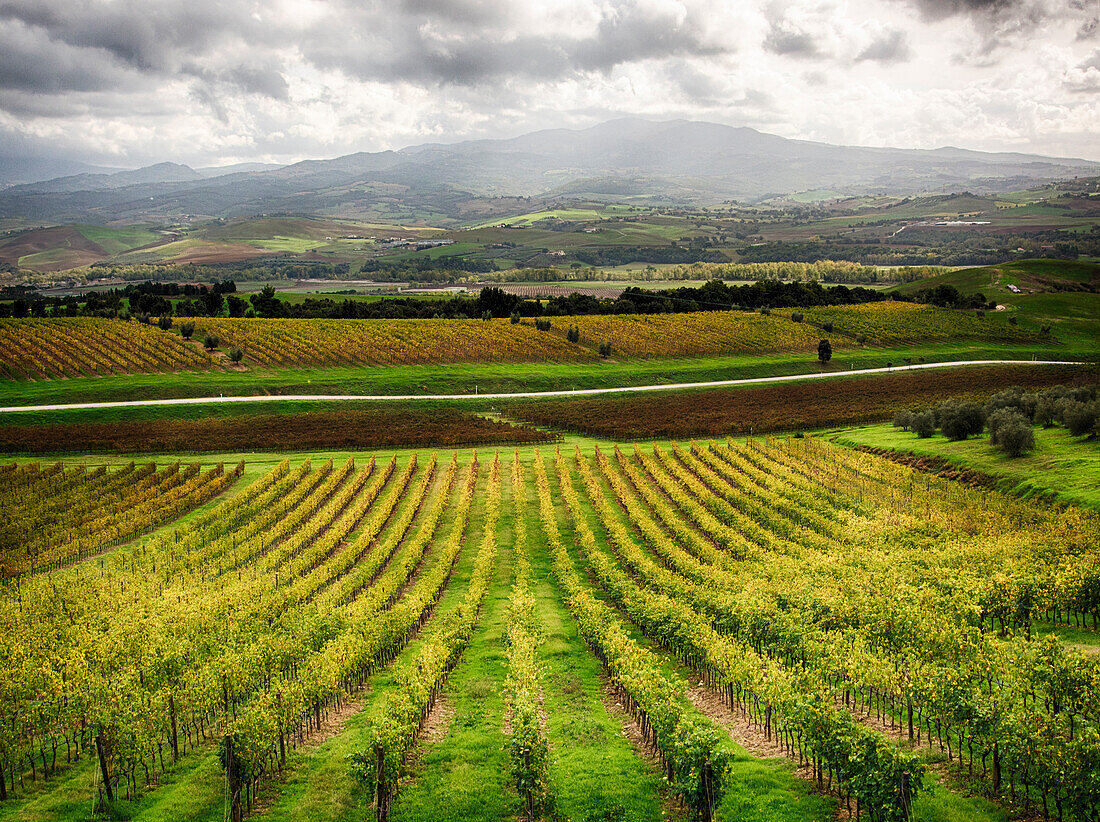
(787, 406)
(373, 428)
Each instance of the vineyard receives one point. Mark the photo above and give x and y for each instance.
(740, 332)
(355, 428)
(84, 346)
(281, 343)
(863, 620)
(54, 515)
(786, 406)
(898, 322)
(694, 334)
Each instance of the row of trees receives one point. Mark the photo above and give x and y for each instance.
(1009, 416)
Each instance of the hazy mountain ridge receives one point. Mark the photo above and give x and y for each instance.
(674, 160)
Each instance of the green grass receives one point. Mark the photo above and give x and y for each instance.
(295, 245)
(192, 789)
(936, 803)
(464, 777)
(452, 250)
(578, 214)
(1061, 466)
(593, 768)
(162, 252)
(50, 258)
(118, 240)
(1085, 639)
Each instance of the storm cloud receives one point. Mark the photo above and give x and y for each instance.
(127, 82)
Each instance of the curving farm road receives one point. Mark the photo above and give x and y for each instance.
(522, 394)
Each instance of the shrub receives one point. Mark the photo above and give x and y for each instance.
(904, 420)
(235, 354)
(164, 322)
(1046, 409)
(959, 420)
(1012, 321)
(862, 339)
(797, 316)
(210, 342)
(1080, 417)
(924, 424)
(1009, 398)
(605, 349)
(142, 318)
(827, 326)
(542, 325)
(573, 334)
(514, 317)
(979, 313)
(766, 311)
(186, 330)
(486, 315)
(824, 351)
(1010, 431)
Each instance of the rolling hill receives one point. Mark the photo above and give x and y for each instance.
(674, 161)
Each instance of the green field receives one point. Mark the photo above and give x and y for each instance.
(1061, 466)
(119, 240)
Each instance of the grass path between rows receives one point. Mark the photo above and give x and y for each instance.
(765, 789)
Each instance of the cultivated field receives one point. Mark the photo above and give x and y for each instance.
(84, 346)
(461, 635)
(788, 406)
(74, 347)
(278, 343)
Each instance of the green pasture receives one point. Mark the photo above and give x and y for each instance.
(162, 252)
(293, 245)
(452, 250)
(50, 258)
(1061, 466)
(570, 214)
(118, 240)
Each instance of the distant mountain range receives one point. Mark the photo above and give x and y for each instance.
(674, 162)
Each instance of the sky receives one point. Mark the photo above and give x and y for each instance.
(127, 83)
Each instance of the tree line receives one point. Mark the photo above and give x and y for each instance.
(159, 299)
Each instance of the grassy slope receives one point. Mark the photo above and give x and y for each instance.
(118, 240)
(1061, 465)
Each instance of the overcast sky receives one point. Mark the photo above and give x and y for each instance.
(211, 82)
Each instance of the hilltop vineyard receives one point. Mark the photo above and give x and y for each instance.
(855, 615)
(283, 343)
(86, 346)
(33, 348)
